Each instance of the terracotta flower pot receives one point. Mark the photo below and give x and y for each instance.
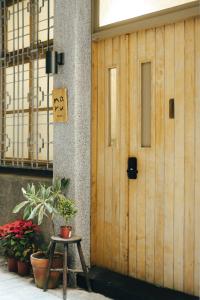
(23, 268)
(40, 264)
(12, 264)
(65, 232)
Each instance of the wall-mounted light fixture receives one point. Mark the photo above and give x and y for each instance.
(53, 59)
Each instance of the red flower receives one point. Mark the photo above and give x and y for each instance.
(19, 236)
(18, 228)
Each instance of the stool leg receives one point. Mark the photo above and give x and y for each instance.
(65, 273)
(84, 267)
(51, 254)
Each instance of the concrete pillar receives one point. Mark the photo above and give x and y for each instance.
(72, 35)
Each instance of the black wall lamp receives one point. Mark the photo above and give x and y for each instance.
(53, 60)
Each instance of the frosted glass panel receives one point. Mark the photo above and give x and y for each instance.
(41, 93)
(112, 106)
(17, 136)
(17, 87)
(43, 136)
(18, 26)
(43, 20)
(112, 11)
(146, 104)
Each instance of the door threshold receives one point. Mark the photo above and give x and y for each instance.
(120, 287)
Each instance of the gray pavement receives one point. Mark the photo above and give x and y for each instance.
(14, 287)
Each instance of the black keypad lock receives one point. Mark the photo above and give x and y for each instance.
(132, 168)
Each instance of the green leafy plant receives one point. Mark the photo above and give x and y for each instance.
(24, 248)
(66, 208)
(42, 201)
(7, 246)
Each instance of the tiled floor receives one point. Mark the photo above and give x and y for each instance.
(14, 287)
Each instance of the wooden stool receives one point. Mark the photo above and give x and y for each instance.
(74, 240)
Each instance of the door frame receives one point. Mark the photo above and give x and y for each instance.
(155, 19)
(167, 16)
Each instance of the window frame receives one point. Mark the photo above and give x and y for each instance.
(30, 162)
(158, 18)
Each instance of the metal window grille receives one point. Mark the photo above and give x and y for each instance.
(26, 118)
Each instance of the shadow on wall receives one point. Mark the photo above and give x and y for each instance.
(11, 194)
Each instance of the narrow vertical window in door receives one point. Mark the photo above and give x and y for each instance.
(112, 106)
(146, 104)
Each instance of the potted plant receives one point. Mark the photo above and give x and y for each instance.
(42, 202)
(19, 240)
(27, 242)
(67, 209)
(8, 252)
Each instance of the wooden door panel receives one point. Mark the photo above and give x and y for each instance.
(94, 153)
(189, 157)
(197, 161)
(100, 216)
(159, 194)
(150, 165)
(108, 160)
(111, 200)
(141, 205)
(149, 227)
(116, 171)
(133, 138)
(179, 157)
(169, 124)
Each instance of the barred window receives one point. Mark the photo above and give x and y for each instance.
(26, 118)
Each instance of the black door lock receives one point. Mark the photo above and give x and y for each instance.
(132, 168)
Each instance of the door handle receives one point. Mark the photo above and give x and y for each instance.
(132, 170)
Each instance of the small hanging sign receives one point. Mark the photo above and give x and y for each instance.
(60, 105)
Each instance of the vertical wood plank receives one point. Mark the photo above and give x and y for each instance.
(94, 153)
(108, 160)
(197, 159)
(133, 150)
(189, 158)
(179, 157)
(169, 160)
(124, 145)
(150, 165)
(159, 198)
(116, 168)
(141, 201)
(101, 156)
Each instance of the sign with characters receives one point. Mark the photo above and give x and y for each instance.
(60, 113)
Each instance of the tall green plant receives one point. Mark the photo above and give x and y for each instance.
(41, 201)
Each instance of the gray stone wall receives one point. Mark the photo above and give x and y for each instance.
(72, 35)
(0, 62)
(0, 32)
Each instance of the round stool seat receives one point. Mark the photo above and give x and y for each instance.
(73, 239)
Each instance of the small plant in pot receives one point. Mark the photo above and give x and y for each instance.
(27, 242)
(67, 209)
(41, 202)
(6, 241)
